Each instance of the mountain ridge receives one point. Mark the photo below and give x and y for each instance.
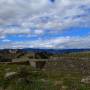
(56, 51)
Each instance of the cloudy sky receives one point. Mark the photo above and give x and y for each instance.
(44, 24)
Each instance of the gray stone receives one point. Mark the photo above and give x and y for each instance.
(86, 80)
(9, 75)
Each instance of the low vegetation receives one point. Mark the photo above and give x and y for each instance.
(70, 74)
(63, 75)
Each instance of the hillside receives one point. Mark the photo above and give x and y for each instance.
(9, 54)
(63, 75)
(69, 73)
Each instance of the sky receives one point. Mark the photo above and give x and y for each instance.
(57, 24)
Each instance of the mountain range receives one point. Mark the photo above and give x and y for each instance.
(52, 51)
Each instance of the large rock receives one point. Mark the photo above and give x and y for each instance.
(38, 64)
(86, 80)
(10, 75)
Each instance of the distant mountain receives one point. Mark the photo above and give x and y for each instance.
(52, 51)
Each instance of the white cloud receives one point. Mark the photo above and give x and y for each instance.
(2, 37)
(39, 32)
(35, 17)
(59, 42)
(6, 40)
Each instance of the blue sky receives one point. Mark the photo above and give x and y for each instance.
(44, 24)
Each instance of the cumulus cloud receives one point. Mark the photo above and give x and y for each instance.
(35, 17)
(6, 40)
(55, 43)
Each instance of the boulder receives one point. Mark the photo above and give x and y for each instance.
(10, 75)
(86, 80)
